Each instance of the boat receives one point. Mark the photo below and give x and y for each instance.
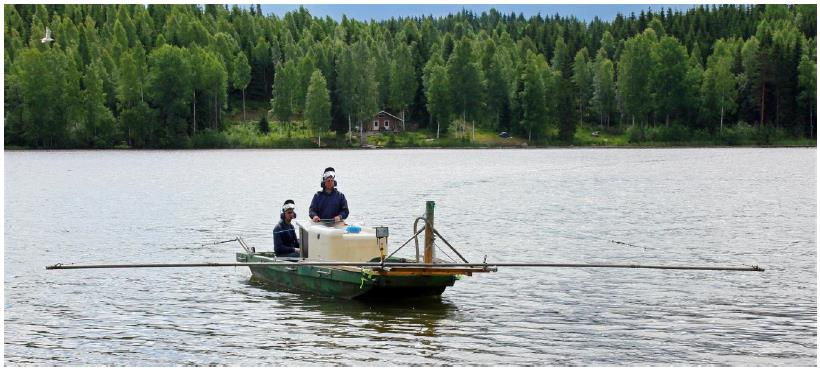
(352, 262)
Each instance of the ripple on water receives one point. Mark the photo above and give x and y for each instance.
(675, 206)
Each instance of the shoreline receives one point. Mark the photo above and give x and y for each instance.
(631, 147)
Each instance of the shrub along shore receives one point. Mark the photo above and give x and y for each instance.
(297, 135)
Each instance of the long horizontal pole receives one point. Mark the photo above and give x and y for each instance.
(399, 264)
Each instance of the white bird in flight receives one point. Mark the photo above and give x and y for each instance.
(48, 37)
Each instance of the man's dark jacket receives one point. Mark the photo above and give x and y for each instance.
(329, 205)
(284, 239)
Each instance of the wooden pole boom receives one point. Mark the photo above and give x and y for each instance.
(397, 264)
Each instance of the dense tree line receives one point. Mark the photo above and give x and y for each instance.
(157, 75)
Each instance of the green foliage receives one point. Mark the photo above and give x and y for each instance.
(170, 91)
(634, 70)
(356, 86)
(465, 80)
(603, 81)
(49, 89)
(140, 125)
(668, 77)
(264, 126)
(97, 130)
(403, 83)
(317, 107)
(582, 77)
(531, 99)
(719, 83)
(241, 77)
(158, 75)
(242, 72)
(283, 86)
(437, 91)
(807, 80)
(564, 98)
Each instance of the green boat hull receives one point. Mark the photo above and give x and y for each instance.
(344, 283)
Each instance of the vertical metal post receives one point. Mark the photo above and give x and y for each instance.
(428, 232)
(381, 249)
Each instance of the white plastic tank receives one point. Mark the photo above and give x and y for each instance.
(334, 242)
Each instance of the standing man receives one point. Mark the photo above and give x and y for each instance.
(329, 203)
(285, 243)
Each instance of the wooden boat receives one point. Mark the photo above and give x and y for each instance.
(351, 263)
(337, 243)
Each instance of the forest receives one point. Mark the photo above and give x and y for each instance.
(173, 76)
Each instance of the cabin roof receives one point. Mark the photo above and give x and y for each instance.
(380, 112)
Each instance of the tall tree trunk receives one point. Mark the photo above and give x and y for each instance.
(194, 111)
(463, 121)
(473, 131)
(763, 105)
(581, 117)
(362, 139)
(721, 119)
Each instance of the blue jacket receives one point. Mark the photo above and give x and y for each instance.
(327, 206)
(284, 239)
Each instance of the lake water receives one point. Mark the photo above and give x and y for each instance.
(727, 207)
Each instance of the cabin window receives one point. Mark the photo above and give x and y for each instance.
(386, 124)
(375, 125)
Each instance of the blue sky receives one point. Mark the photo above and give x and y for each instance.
(365, 12)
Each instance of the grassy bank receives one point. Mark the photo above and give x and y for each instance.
(296, 135)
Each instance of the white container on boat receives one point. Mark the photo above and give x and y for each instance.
(333, 243)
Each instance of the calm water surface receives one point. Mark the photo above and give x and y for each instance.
(673, 206)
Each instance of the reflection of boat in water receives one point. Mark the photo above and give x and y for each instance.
(383, 278)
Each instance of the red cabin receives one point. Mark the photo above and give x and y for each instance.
(385, 122)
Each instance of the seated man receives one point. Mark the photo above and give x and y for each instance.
(329, 204)
(285, 243)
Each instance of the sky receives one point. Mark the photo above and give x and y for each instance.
(378, 12)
